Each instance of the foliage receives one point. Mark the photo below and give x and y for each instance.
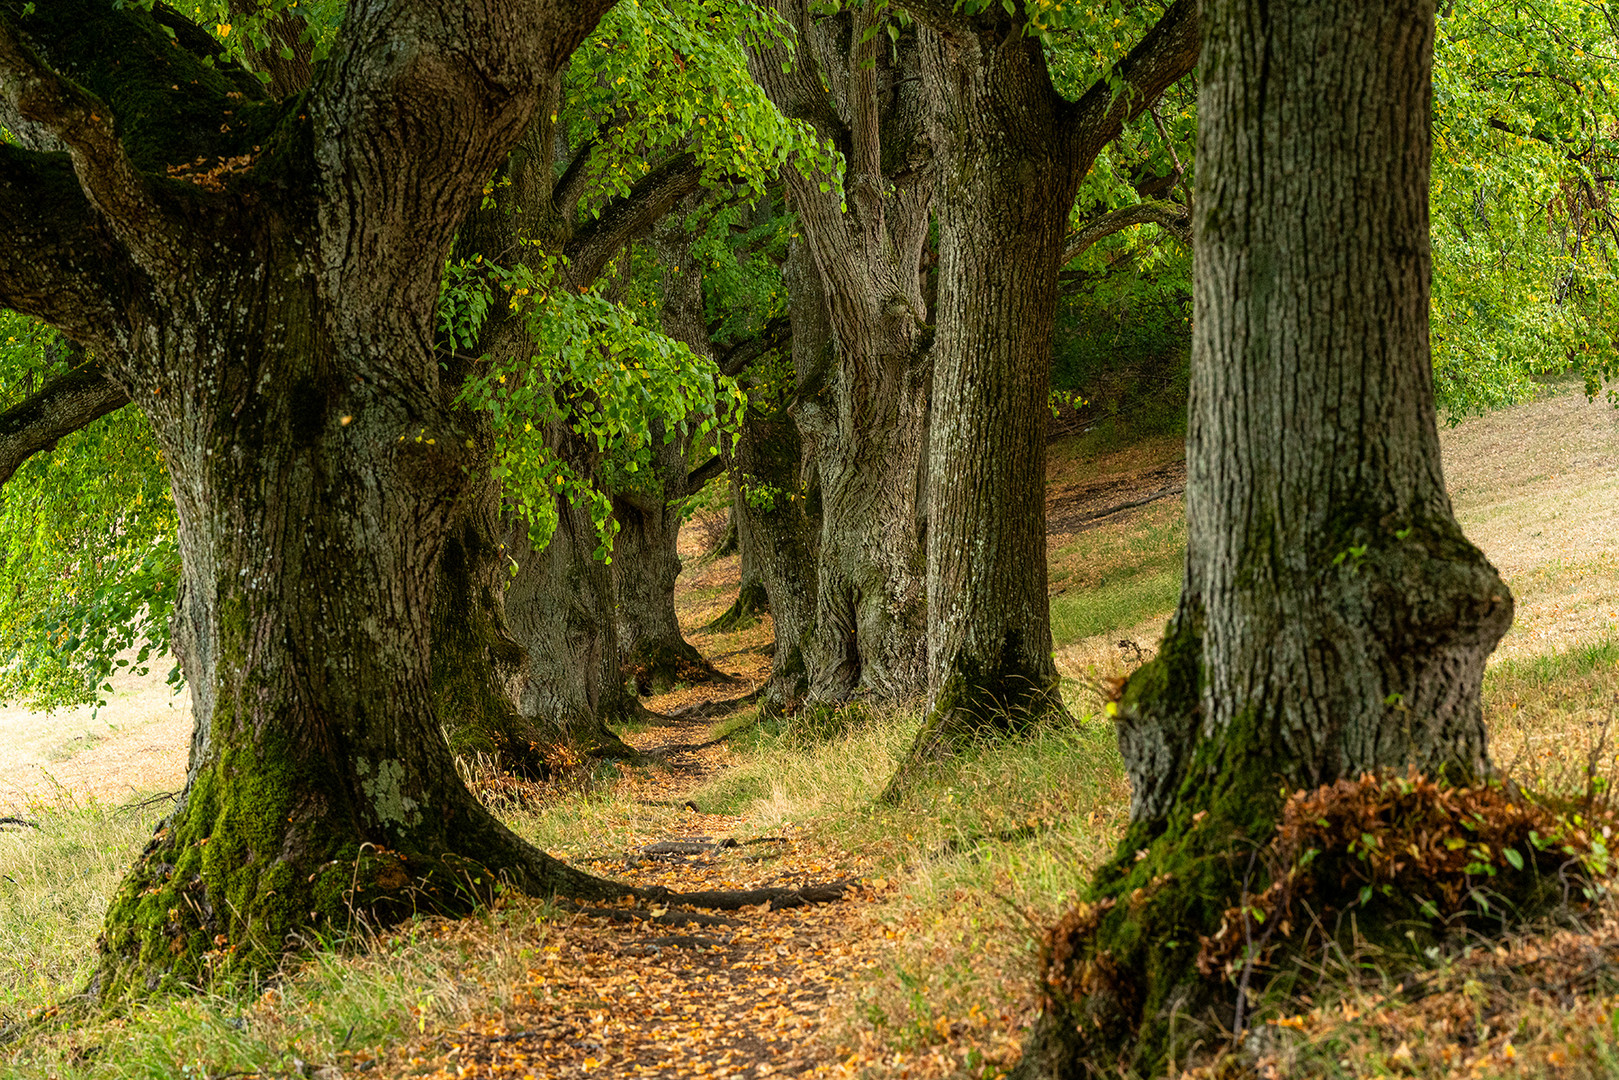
(1410, 844)
(661, 77)
(88, 561)
(595, 368)
(1525, 248)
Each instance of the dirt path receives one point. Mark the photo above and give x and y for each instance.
(640, 993)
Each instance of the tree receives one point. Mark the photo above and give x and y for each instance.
(260, 276)
(1011, 152)
(863, 402)
(1334, 618)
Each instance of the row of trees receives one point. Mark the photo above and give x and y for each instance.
(393, 483)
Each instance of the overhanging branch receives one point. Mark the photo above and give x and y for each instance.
(1167, 52)
(1172, 217)
(59, 408)
(84, 124)
(626, 218)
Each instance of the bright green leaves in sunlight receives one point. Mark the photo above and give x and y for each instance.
(595, 368)
(664, 76)
(88, 561)
(1525, 152)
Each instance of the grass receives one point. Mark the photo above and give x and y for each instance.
(982, 856)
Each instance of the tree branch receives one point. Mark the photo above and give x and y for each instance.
(59, 408)
(1167, 52)
(59, 260)
(733, 360)
(705, 472)
(631, 216)
(84, 124)
(1174, 218)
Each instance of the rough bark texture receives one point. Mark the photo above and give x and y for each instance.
(560, 605)
(1011, 153)
(863, 411)
(781, 519)
(270, 310)
(57, 409)
(646, 562)
(1334, 618)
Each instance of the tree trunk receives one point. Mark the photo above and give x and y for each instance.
(651, 648)
(475, 657)
(484, 693)
(1011, 153)
(1003, 210)
(275, 325)
(561, 604)
(646, 561)
(777, 510)
(319, 786)
(752, 599)
(1334, 618)
(864, 407)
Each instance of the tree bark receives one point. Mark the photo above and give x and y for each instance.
(1334, 619)
(560, 605)
(1011, 153)
(646, 562)
(863, 411)
(273, 318)
(779, 515)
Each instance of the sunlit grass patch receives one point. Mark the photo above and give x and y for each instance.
(55, 881)
(1549, 714)
(337, 1009)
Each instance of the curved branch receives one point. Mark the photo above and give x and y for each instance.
(1174, 218)
(1166, 53)
(59, 408)
(59, 260)
(623, 219)
(733, 360)
(705, 472)
(84, 124)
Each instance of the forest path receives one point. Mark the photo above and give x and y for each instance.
(635, 990)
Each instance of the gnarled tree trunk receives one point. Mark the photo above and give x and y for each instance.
(1334, 618)
(274, 322)
(646, 562)
(560, 604)
(863, 411)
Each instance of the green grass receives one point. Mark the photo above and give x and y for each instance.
(1114, 606)
(54, 885)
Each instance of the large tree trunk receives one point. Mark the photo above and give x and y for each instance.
(276, 325)
(1003, 212)
(864, 412)
(319, 783)
(1334, 618)
(651, 648)
(781, 518)
(475, 657)
(495, 694)
(646, 561)
(560, 605)
(1012, 153)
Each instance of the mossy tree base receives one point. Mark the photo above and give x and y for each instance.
(751, 602)
(973, 707)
